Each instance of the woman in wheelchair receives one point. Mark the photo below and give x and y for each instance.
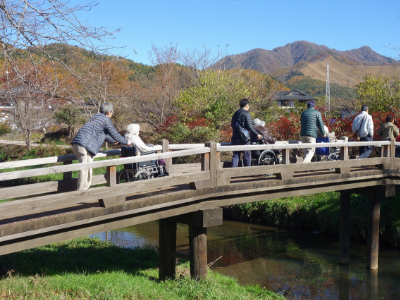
(140, 170)
(266, 157)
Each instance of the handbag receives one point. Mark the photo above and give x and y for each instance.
(243, 132)
(357, 133)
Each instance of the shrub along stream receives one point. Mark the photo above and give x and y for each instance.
(321, 212)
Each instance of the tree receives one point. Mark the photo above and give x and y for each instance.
(71, 116)
(379, 93)
(35, 32)
(217, 95)
(154, 99)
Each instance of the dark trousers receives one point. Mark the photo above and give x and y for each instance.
(236, 154)
(365, 151)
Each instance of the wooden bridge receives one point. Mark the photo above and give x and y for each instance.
(37, 214)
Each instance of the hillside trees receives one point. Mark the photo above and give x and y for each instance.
(152, 99)
(216, 96)
(33, 35)
(380, 93)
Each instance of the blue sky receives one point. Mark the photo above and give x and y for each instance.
(247, 24)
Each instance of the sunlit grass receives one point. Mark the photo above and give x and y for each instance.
(87, 268)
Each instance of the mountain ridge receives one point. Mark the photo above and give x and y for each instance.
(267, 61)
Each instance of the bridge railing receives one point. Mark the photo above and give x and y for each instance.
(210, 175)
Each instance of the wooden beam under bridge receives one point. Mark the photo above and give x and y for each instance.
(198, 222)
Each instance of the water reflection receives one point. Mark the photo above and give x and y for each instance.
(300, 265)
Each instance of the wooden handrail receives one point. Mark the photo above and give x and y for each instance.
(98, 164)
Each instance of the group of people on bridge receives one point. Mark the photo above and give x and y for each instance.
(88, 141)
(311, 122)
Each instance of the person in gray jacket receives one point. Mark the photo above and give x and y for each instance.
(311, 119)
(89, 139)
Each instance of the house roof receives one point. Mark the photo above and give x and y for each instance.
(292, 95)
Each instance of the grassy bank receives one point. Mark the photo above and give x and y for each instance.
(321, 212)
(90, 269)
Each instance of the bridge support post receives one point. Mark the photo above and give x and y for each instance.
(198, 251)
(344, 227)
(373, 232)
(198, 222)
(167, 248)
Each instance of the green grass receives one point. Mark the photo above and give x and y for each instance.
(87, 268)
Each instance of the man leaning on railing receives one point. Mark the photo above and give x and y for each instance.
(89, 139)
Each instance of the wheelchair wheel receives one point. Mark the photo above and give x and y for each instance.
(266, 158)
(142, 175)
(126, 176)
(333, 157)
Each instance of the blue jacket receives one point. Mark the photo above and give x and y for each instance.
(92, 135)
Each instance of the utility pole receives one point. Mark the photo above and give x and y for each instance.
(328, 92)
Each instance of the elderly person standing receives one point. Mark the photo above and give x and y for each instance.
(311, 119)
(365, 126)
(89, 139)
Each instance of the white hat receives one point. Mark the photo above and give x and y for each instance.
(256, 121)
(131, 128)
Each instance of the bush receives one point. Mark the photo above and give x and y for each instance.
(4, 128)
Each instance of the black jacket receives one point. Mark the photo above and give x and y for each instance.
(92, 135)
(242, 117)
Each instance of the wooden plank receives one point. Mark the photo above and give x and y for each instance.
(205, 166)
(51, 160)
(202, 218)
(315, 166)
(112, 201)
(299, 146)
(71, 233)
(35, 204)
(111, 176)
(285, 157)
(44, 187)
(284, 193)
(67, 175)
(97, 164)
(214, 164)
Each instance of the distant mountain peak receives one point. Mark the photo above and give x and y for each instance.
(268, 61)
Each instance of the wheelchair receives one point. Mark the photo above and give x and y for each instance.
(141, 170)
(264, 157)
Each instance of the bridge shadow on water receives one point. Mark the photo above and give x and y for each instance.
(80, 256)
